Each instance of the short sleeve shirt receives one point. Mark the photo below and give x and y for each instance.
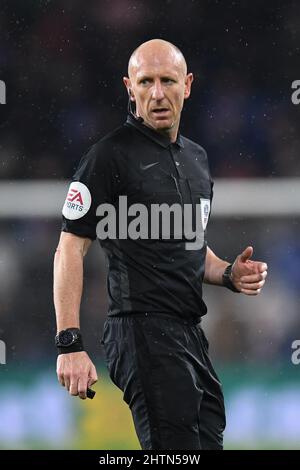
(148, 201)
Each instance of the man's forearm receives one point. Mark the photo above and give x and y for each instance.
(214, 268)
(68, 284)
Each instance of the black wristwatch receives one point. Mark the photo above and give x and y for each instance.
(227, 281)
(69, 340)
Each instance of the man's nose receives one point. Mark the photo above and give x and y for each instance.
(157, 91)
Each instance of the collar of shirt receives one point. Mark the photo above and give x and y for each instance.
(160, 139)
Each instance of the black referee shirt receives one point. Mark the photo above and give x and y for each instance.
(145, 274)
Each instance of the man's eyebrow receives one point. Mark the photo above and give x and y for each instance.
(168, 77)
(162, 77)
(144, 77)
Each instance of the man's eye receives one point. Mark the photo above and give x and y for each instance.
(145, 81)
(168, 80)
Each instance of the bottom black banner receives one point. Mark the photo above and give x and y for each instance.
(134, 459)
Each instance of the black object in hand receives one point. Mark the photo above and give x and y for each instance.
(90, 393)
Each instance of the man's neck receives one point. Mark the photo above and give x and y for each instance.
(170, 133)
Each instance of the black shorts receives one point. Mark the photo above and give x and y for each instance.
(162, 366)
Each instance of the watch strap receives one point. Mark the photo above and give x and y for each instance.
(75, 347)
(227, 281)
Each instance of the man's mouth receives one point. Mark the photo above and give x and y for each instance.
(160, 112)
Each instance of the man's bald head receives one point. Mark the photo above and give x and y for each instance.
(158, 84)
(156, 51)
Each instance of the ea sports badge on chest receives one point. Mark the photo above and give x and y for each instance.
(78, 201)
(205, 210)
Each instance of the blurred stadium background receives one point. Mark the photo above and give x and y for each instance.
(62, 62)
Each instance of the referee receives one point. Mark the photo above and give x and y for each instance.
(155, 349)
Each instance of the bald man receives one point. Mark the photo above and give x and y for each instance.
(145, 191)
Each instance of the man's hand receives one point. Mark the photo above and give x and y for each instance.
(76, 372)
(248, 276)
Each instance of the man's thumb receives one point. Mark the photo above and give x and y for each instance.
(247, 253)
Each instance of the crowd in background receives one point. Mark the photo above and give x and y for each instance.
(63, 63)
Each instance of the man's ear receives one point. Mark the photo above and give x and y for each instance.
(188, 84)
(127, 84)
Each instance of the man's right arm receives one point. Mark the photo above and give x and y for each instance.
(75, 371)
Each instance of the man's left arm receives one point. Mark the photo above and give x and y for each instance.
(247, 276)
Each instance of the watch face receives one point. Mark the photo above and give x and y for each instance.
(66, 338)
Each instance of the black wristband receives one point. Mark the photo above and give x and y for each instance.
(69, 341)
(227, 282)
(76, 347)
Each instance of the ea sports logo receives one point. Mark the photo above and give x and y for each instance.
(78, 201)
(74, 196)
